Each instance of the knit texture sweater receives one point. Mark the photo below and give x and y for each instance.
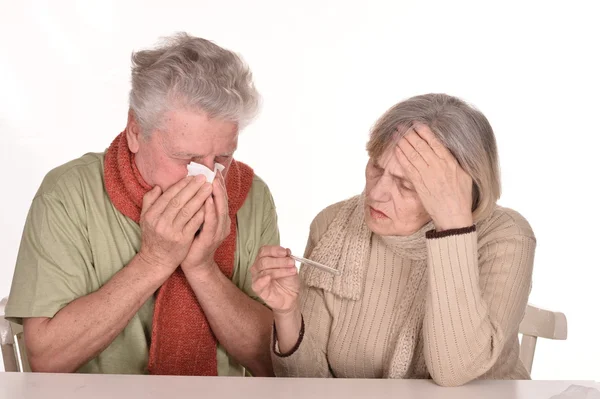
(444, 305)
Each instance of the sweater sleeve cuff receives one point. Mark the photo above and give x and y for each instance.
(296, 346)
(432, 234)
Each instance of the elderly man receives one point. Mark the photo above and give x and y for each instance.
(126, 264)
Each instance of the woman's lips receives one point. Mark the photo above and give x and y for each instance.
(377, 214)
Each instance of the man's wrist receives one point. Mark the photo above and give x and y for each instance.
(145, 266)
(203, 273)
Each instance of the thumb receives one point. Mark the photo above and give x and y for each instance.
(150, 197)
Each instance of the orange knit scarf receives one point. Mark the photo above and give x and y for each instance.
(182, 342)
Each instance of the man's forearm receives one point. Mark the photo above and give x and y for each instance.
(241, 324)
(85, 327)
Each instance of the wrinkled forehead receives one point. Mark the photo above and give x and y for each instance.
(197, 133)
(388, 161)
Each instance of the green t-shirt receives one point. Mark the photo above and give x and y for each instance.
(75, 240)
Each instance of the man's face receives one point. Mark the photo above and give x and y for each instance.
(185, 136)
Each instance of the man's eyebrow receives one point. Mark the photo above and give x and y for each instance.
(187, 155)
(192, 155)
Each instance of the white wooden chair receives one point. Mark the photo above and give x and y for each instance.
(539, 323)
(10, 343)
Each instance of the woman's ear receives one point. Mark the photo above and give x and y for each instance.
(476, 197)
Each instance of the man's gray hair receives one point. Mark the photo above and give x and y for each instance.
(187, 72)
(463, 129)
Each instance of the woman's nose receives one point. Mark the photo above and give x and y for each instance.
(380, 191)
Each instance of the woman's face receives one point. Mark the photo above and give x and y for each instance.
(392, 207)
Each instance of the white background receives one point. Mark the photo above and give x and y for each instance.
(327, 70)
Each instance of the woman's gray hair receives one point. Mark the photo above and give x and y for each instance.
(191, 73)
(464, 130)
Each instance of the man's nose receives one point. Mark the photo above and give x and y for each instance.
(209, 162)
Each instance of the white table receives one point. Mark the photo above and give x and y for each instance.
(82, 386)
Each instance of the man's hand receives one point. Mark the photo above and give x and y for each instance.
(216, 227)
(170, 221)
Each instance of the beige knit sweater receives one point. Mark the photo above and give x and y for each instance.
(446, 308)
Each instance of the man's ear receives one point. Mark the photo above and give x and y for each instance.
(133, 132)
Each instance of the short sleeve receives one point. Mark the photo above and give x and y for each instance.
(53, 264)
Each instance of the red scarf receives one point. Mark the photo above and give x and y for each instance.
(182, 342)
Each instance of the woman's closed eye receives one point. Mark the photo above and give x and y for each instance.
(405, 184)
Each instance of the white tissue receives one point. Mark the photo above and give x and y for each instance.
(578, 392)
(199, 169)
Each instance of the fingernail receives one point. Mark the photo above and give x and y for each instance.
(200, 178)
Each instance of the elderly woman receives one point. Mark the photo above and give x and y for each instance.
(434, 276)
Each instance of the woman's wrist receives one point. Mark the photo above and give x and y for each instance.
(288, 329)
(452, 223)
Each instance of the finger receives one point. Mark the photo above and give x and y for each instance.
(192, 206)
(434, 143)
(270, 251)
(149, 199)
(225, 221)
(268, 263)
(162, 202)
(220, 197)
(259, 284)
(412, 154)
(194, 224)
(181, 198)
(210, 218)
(411, 172)
(221, 179)
(421, 146)
(276, 274)
(274, 251)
